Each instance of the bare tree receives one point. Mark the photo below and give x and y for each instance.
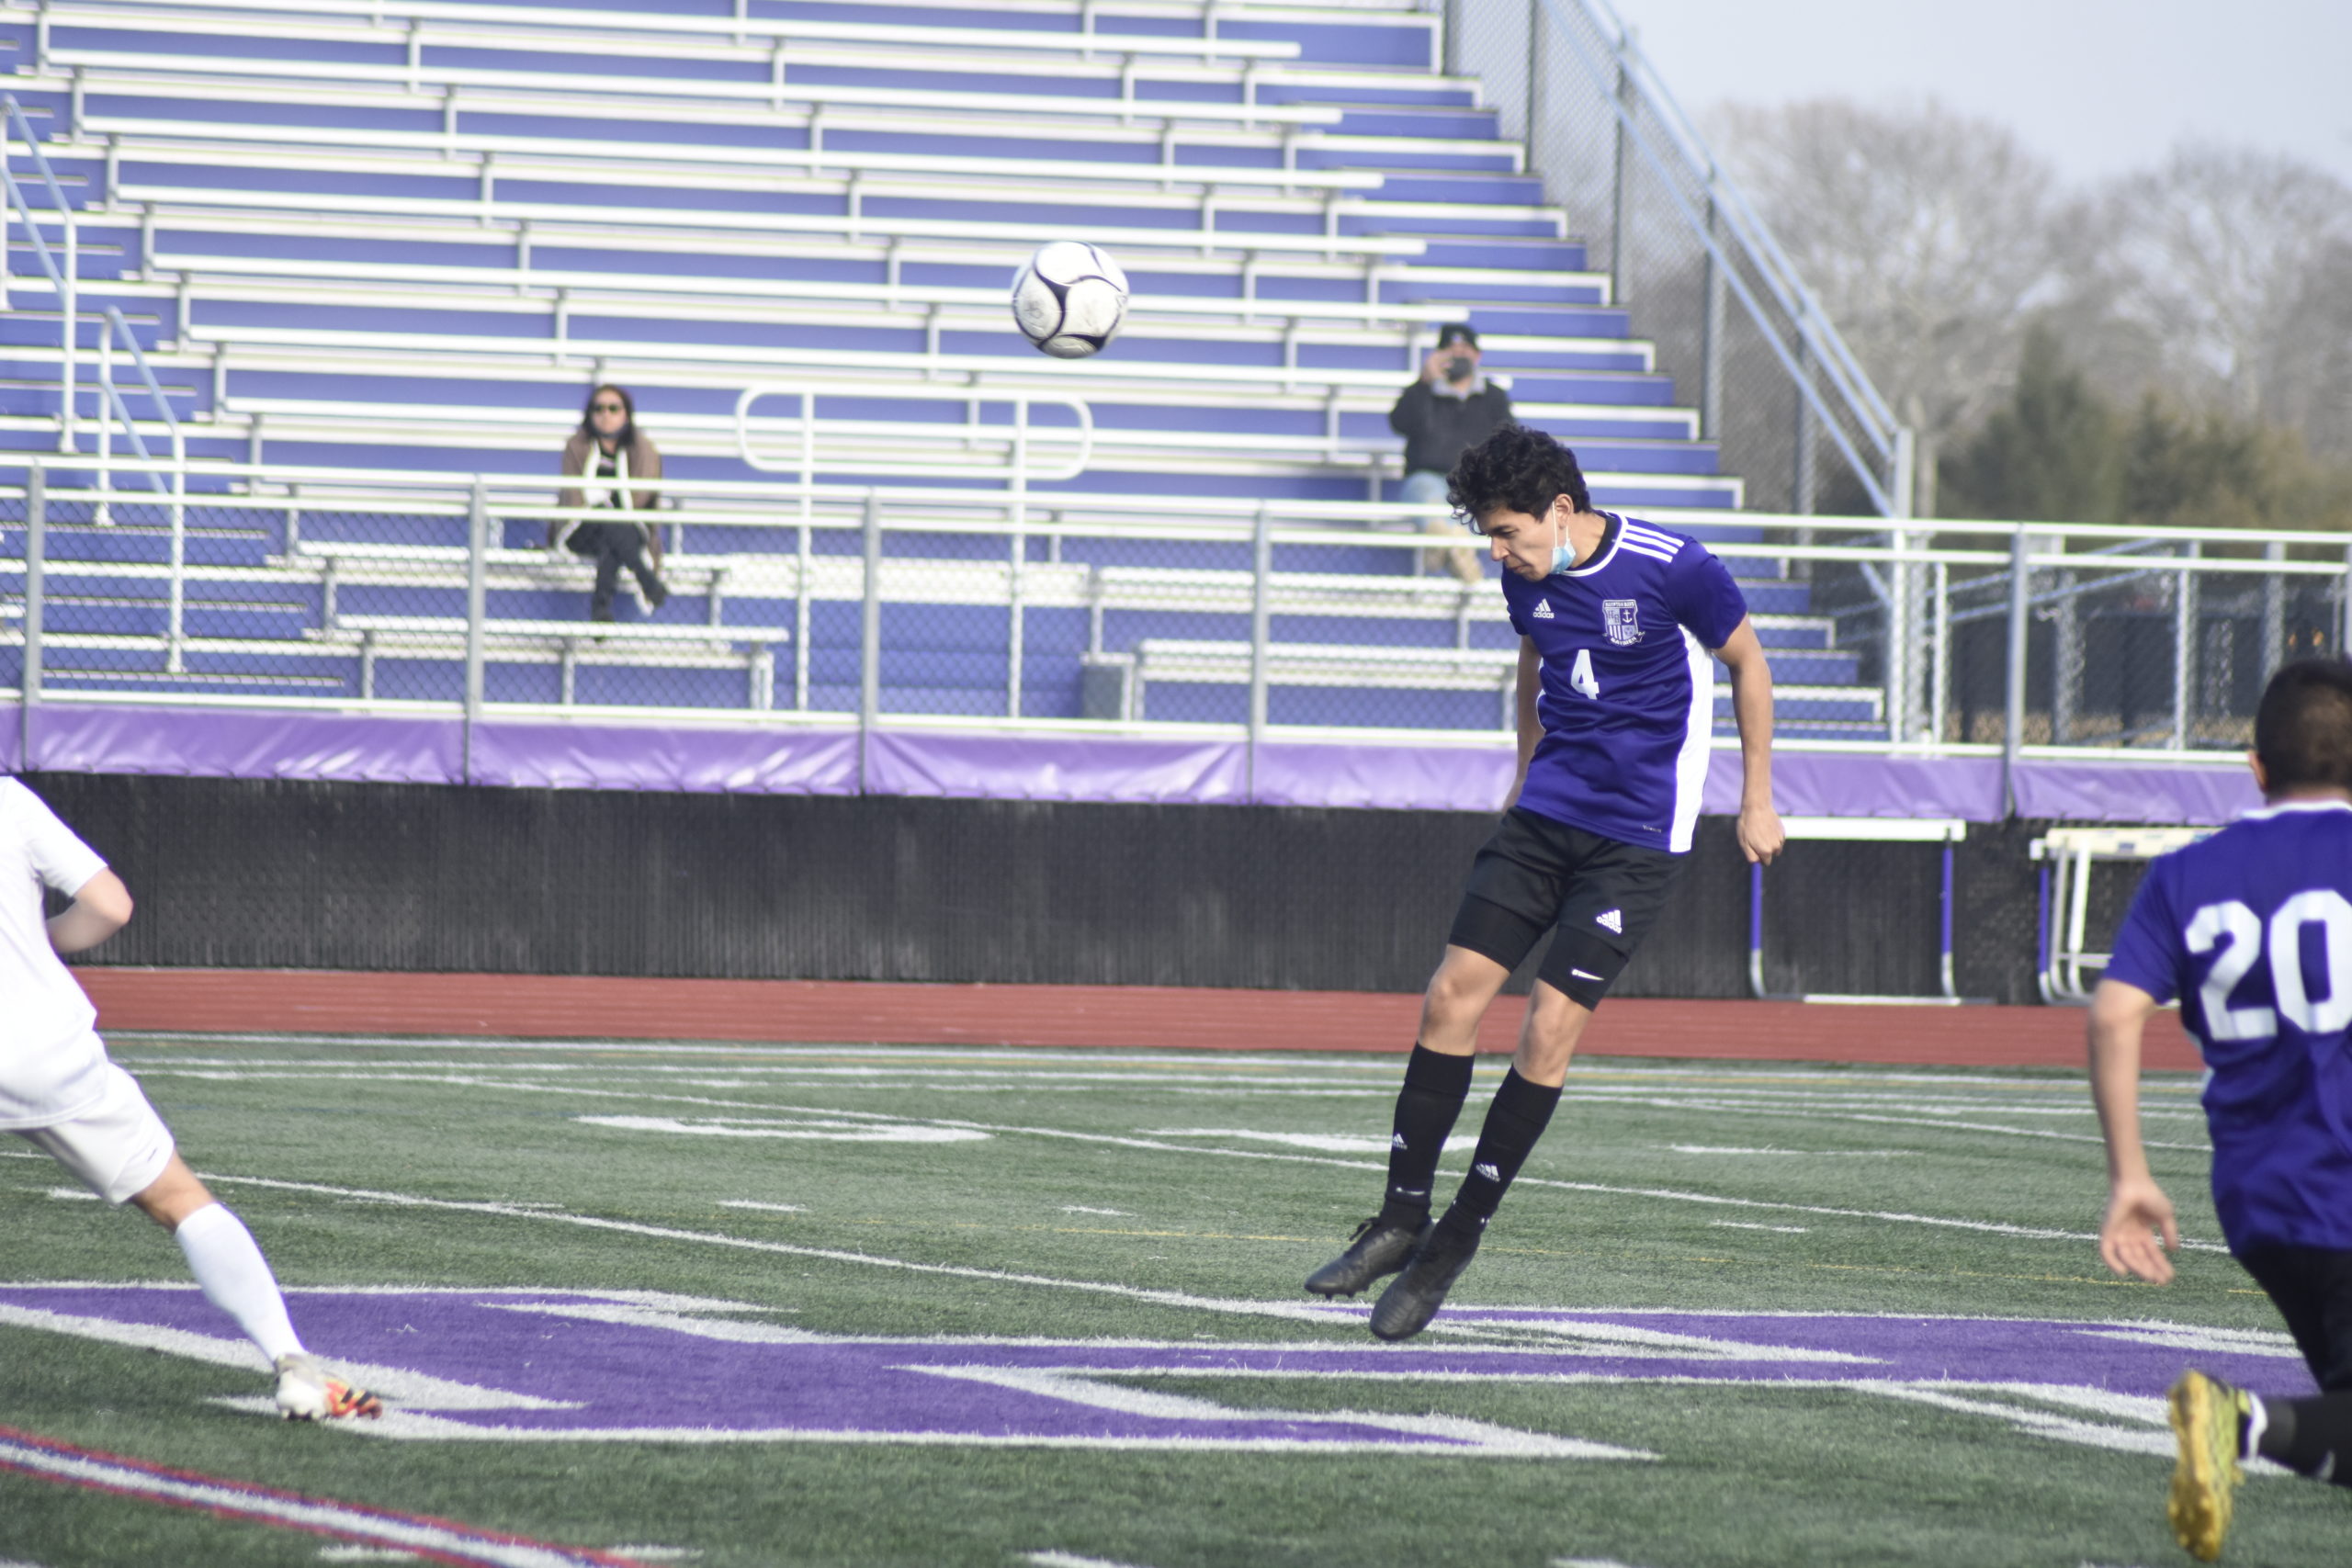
(1927, 236)
(2227, 264)
(2310, 384)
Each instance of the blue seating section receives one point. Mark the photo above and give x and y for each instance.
(356, 239)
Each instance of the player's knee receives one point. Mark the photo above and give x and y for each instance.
(172, 1197)
(1554, 1023)
(1464, 982)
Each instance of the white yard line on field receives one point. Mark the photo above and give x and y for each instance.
(1795, 1113)
(438, 1539)
(1806, 1154)
(1058, 1060)
(1988, 1227)
(1297, 1310)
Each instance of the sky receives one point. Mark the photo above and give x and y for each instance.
(2099, 87)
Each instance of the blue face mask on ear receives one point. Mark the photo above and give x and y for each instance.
(1564, 555)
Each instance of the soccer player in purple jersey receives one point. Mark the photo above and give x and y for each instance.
(2252, 931)
(1619, 624)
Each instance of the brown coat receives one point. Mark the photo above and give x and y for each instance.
(644, 463)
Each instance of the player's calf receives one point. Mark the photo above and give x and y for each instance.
(1515, 1121)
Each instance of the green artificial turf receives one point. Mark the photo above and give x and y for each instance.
(1746, 1474)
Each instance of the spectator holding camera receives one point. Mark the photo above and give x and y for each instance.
(1450, 410)
(609, 461)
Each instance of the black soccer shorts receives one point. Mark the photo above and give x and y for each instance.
(1601, 894)
(2311, 1288)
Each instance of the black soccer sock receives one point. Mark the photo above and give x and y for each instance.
(1427, 1107)
(1514, 1121)
(2312, 1437)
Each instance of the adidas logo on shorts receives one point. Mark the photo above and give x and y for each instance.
(1610, 919)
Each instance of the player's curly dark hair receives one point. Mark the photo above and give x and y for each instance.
(1517, 469)
(2303, 731)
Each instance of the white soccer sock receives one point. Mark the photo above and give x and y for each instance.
(236, 1278)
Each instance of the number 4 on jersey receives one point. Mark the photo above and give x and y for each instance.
(1580, 675)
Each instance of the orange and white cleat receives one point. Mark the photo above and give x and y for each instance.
(308, 1392)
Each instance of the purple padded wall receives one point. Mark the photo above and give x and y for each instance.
(565, 754)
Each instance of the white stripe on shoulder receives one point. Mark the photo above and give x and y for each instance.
(1652, 553)
(1652, 536)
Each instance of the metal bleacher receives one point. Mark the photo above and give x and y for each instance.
(374, 236)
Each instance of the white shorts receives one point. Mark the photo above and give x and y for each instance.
(118, 1148)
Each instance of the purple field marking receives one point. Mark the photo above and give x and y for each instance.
(718, 1372)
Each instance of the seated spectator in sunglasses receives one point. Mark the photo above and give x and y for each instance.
(607, 458)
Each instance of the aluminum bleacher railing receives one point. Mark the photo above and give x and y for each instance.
(989, 607)
(64, 277)
(1773, 378)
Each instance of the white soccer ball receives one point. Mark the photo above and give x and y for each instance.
(1069, 299)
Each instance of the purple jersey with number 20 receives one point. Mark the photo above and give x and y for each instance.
(1628, 697)
(2252, 930)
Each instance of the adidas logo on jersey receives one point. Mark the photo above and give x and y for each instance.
(1543, 611)
(1610, 919)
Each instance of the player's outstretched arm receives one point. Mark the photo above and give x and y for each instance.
(2136, 1207)
(101, 906)
(1751, 707)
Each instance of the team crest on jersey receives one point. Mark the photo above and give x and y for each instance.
(1619, 619)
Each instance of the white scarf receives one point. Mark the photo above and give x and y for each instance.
(615, 490)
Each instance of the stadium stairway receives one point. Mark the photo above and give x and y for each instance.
(406, 235)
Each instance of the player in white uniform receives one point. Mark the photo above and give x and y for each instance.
(59, 1091)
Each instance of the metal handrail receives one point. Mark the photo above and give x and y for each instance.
(1192, 512)
(66, 283)
(1782, 274)
(1054, 583)
(118, 329)
(1220, 518)
(1814, 331)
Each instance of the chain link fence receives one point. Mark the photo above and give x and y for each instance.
(1348, 626)
(13, 598)
(172, 596)
(869, 603)
(2153, 644)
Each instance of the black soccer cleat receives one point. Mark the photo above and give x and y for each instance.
(1407, 1305)
(1375, 1249)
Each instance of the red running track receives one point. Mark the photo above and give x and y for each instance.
(224, 1001)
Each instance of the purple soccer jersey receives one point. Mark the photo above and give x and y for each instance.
(2252, 931)
(1628, 683)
